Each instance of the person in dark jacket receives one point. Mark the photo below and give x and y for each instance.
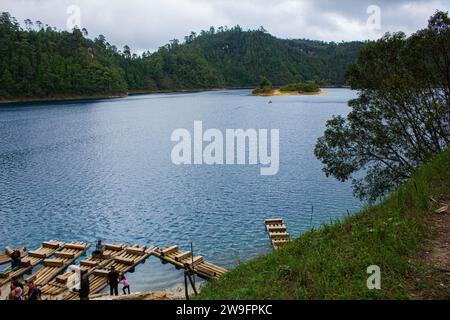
(34, 293)
(113, 281)
(16, 260)
(83, 292)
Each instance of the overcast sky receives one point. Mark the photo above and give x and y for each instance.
(148, 24)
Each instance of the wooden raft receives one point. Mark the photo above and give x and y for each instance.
(62, 259)
(277, 232)
(183, 259)
(123, 263)
(59, 284)
(32, 259)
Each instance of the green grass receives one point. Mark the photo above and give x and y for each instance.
(332, 262)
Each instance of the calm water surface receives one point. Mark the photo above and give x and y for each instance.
(102, 170)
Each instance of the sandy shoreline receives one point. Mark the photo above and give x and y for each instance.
(276, 93)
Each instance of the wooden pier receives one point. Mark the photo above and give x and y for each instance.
(61, 260)
(60, 284)
(32, 259)
(55, 281)
(123, 262)
(185, 260)
(277, 231)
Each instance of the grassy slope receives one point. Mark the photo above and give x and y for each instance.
(331, 263)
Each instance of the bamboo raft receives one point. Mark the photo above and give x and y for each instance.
(277, 231)
(125, 261)
(59, 284)
(32, 259)
(62, 259)
(185, 260)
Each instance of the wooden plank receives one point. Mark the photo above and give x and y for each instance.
(75, 246)
(101, 273)
(169, 250)
(276, 235)
(88, 263)
(36, 254)
(113, 247)
(51, 244)
(274, 221)
(63, 278)
(206, 272)
(183, 255)
(125, 261)
(276, 228)
(64, 255)
(53, 263)
(135, 251)
(196, 261)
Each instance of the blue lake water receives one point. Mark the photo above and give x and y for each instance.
(102, 170)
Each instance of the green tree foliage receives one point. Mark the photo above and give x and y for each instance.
(301, 87)
(236, 58)
(39, 62)
(264, 87)
(45, 63)
(401, 117)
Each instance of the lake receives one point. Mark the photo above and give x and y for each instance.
(91, 170)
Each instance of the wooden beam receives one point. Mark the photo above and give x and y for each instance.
(125, 261)
(197, 260)
(135, 251)
(169, 250)
(183, 255)
(64, 255)
(35, 254)
(53, 263)
(113, 247)
(88, 263)
(51, 244)
(75, 246)
(274, 221)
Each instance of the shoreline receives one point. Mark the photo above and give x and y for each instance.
(75, 98)
(278, 93)
(60, 99)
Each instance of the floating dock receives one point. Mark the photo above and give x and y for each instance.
(61, 260)
(185, 260)
(58, 285)
(32, 259)
(125, 261)
(56, 257)
(277, 231)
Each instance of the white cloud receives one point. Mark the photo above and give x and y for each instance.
(148, 24)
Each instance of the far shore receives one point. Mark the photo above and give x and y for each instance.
(144, 92)
(60, 99)
(275, 93)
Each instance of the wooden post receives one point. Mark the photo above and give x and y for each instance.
(186, 289)
(192, 283)
(193, 266)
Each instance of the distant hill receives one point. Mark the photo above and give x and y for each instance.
(41, 62)
(234, 58)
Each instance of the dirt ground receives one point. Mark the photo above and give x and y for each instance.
(436, 255)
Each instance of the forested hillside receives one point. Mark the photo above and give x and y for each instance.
(37, 61)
